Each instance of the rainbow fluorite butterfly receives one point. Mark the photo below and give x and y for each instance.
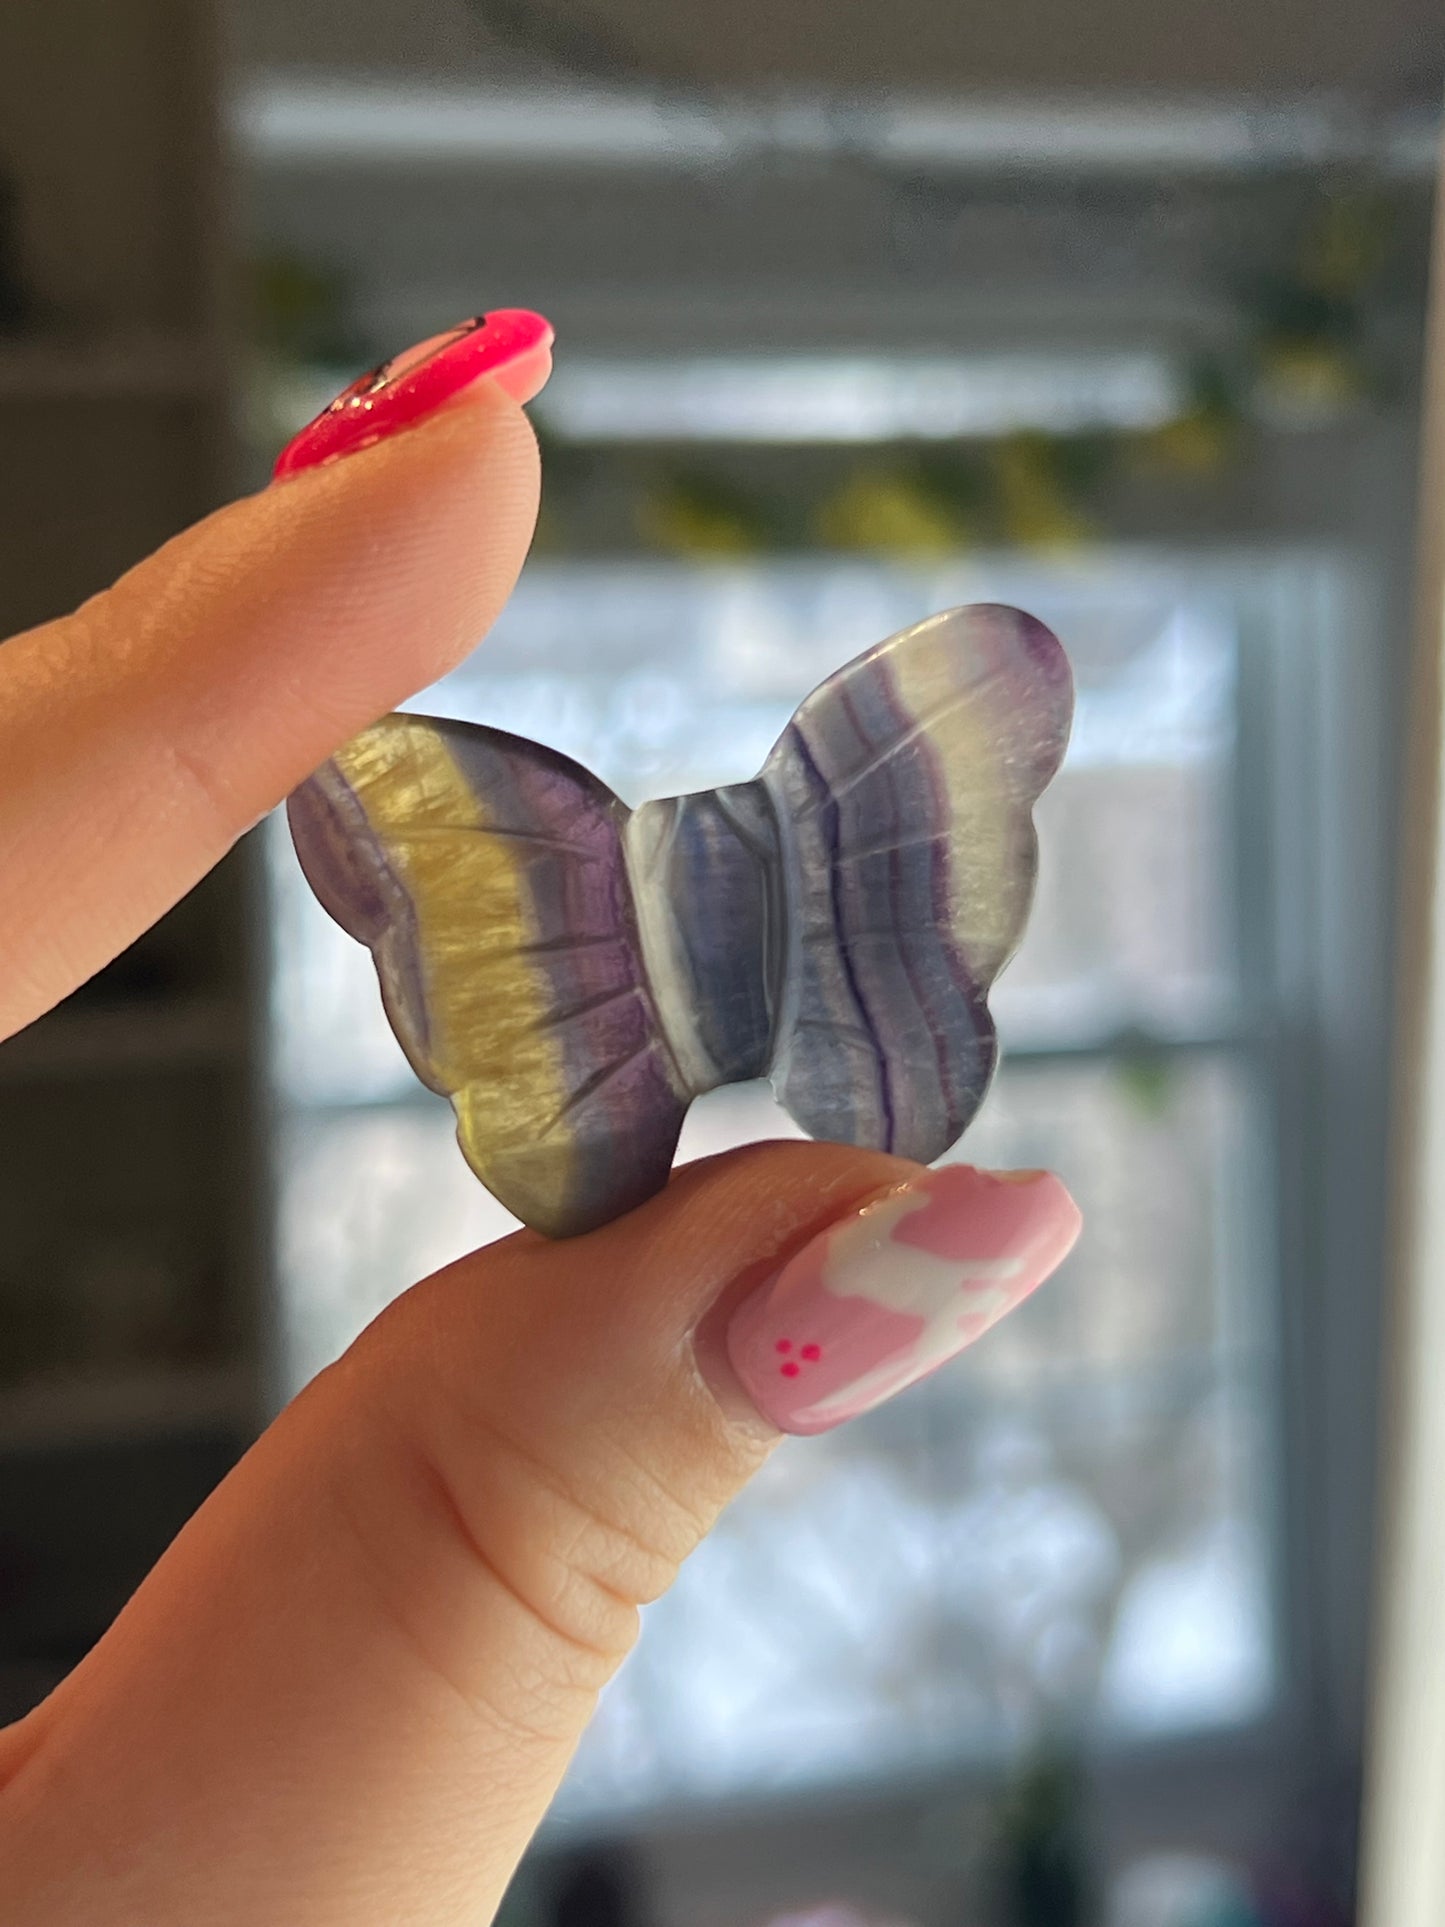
(572, 973)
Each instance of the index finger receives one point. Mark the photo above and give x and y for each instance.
(140, 736)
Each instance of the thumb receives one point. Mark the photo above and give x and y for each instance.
(349, 1691)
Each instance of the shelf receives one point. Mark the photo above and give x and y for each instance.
(54, 1412)
(109, 369)
(198, 1033)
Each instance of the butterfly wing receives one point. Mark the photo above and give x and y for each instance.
(486, 874)
(904, 787)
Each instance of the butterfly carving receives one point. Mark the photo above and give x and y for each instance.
(571, 973)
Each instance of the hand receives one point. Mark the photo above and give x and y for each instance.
(349, 1690)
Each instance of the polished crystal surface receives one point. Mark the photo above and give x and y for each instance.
(572, 974)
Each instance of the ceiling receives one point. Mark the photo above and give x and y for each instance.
(702, 188)
(1390, 52)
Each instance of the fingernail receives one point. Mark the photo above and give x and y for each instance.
(511, 345)
(890, 1293)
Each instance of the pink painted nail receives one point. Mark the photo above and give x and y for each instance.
(896, 1290)
(511, 345)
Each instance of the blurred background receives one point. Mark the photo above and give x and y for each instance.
(1111, 311)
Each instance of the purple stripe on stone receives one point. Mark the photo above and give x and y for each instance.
(593, 993)
(357, 884)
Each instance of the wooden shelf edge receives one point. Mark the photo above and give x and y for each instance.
(71, 1411)
(123, 368)
(184, 1035)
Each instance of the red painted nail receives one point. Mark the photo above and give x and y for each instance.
(511, 345)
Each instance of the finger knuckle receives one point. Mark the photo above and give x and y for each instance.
(570, 1551)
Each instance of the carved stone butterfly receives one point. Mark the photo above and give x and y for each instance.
(572, 973)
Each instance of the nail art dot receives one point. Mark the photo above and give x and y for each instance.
(790, 1369)
(785, 1345)
(812, 1353)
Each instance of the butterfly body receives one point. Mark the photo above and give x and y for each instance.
(571, 974)
(707, 884)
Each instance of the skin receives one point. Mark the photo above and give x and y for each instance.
(350, 1688)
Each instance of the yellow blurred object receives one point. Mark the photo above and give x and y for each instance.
(1034, 510)
(1346, 248)
(1199, 443)
(673, 520)
(1309, 381)
(880, 510)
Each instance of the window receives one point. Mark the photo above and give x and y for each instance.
(1080, 1516)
